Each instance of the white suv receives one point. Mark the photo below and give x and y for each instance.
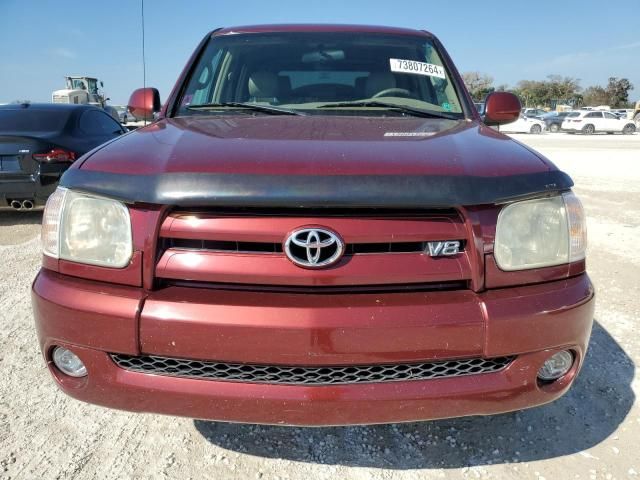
(591, 121)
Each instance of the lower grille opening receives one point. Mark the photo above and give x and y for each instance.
(296, 375)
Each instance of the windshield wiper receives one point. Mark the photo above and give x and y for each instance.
(418, 112)
(249, 106)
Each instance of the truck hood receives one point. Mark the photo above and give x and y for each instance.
(314, 160)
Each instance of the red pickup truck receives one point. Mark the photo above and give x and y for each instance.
(318, 228)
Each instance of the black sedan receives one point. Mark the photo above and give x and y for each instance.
(38, 142)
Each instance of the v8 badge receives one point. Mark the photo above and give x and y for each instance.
(440, 249)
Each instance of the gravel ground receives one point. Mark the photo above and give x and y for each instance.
(592, 432)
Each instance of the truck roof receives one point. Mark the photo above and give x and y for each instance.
(318, 27)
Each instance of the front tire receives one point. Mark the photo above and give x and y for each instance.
(588, 129)
(536, 130)
(554, 128)
(629, 129)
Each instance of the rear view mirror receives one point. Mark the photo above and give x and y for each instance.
(144, 102)
(323, 56)
(501, 108)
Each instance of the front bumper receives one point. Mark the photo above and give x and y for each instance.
(95, 319)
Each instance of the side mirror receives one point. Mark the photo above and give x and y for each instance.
(144, 102)
(501, 108)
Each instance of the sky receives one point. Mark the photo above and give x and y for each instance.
(41, 41)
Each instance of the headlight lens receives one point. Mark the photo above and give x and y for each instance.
(87, 229)
(541, 233)
(51, 223)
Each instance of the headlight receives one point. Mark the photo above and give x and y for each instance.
(87, 229)
(541, 233)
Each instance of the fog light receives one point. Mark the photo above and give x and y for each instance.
(68, 362)
(556, 366)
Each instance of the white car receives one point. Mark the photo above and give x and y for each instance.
(589, 122)
(524, 125)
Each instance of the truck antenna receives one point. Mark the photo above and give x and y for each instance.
(144, 63)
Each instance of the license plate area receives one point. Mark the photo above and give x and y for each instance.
(10, 163)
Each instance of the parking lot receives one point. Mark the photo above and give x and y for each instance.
(590, 433)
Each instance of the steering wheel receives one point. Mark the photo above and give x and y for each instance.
(393, 92)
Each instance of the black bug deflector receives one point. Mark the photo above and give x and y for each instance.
(306, 191)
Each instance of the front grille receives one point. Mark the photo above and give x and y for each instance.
(295, 375)
(246, 248)
(268, 247)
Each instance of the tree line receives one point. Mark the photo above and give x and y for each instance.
(554, 91)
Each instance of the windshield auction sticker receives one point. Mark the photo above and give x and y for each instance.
(417, 68)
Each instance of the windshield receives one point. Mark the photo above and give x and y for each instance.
(310, 71)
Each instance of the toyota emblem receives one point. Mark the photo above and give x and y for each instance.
(314, 247)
